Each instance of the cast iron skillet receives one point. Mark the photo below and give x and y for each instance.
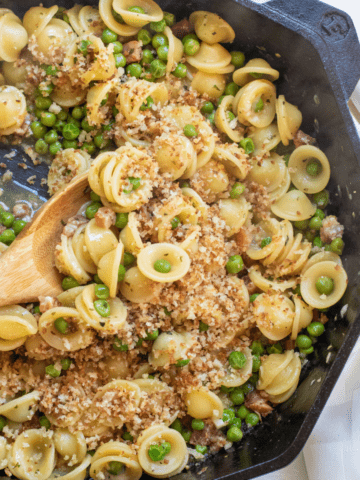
(319, 61)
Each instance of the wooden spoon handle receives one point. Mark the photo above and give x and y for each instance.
(27, 268)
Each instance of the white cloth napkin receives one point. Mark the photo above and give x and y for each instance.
(333, 450)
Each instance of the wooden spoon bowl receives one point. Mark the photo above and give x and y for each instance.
(28, 266)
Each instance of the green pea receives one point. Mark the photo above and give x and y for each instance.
(121, 220)
(48, 119)
(66, 18)
(156, 453)
(127, 436)
(119, 346)
(257, 348)
(242, 412)
(97, 279)
(297, 290)
(190, 131)
(158, 26)
(230, 116)
(207, 108)
(256, 363)
(69, 282)
(201, 449)
(62, 115)
(114, 468)
(117, 16)
(276, 348)
(191, 47)
(83, 47)
(51, 137)
(253, 379)
(307, 351)
(169, 19)
(324, 285)
(248, 145)
(41, 146)
(237, 59)
(228, 415)
(100, 141)
(92, 209)
(59, 125)
(259, 106)
(265, 241)
(65, 363)
(73, 121)
(237, 190)
(157, 68)
(186, 434)
(315, 223)
(7, 219)
(118, 48)
(237, 360)
(337, 246)
(321, 199)
(319, 213)
(162, 52)
(197, 424)
(134, 70)
(108, 36)
(313, 168)
(148, 104)
(18, 225)
(45, 422)
(128, 259)
(136, 9)
(315, 329)
(52, 371)
(158, 40)
(286, 159)
(182, 363)
(69, 144)
(50, 70)
(256, 75)
(78, 113)
(46, 89)
(70, 131)
(192, 36)
(121, 273)
(86, 126)
(151, 336)
(88, 147)
(147, 57)
(235, 264)
(252, 419)
(61, 325)
(162, 266)
(43, 103)
(135, 184)
(55, 147)
(7, 236)
(253, 297)
(203, 327)
(231, 89)
(303, 342)
(310, 236)
(167, 312)
(102, 291)
(102, 307)
(177, 425)
(175, 222)
(318, 242)
(234, 434)
(108, 127)
(301, 224)
(226, 390)
(236, 422)
(38, 129)
(166, 446)
(144, 36)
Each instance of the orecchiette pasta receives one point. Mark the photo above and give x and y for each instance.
(13, 37)
(77, 336)
(16, 324)
(168, 348)
(294, 205)
(71, 446)
(202, 403)
(106, 12)
(274, 315)
(211, 28)
(136, 287)
(213, 84)
(28, 445)
(254, 104)
(12, 109)
(289, 119)
(298, 162)
(255, 68)
(211, 59)
(278, 375)
(108, 268)
(21, 409)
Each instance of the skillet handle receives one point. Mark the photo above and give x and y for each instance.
(335, 28)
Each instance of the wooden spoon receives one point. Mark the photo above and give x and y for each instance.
(27, 267)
